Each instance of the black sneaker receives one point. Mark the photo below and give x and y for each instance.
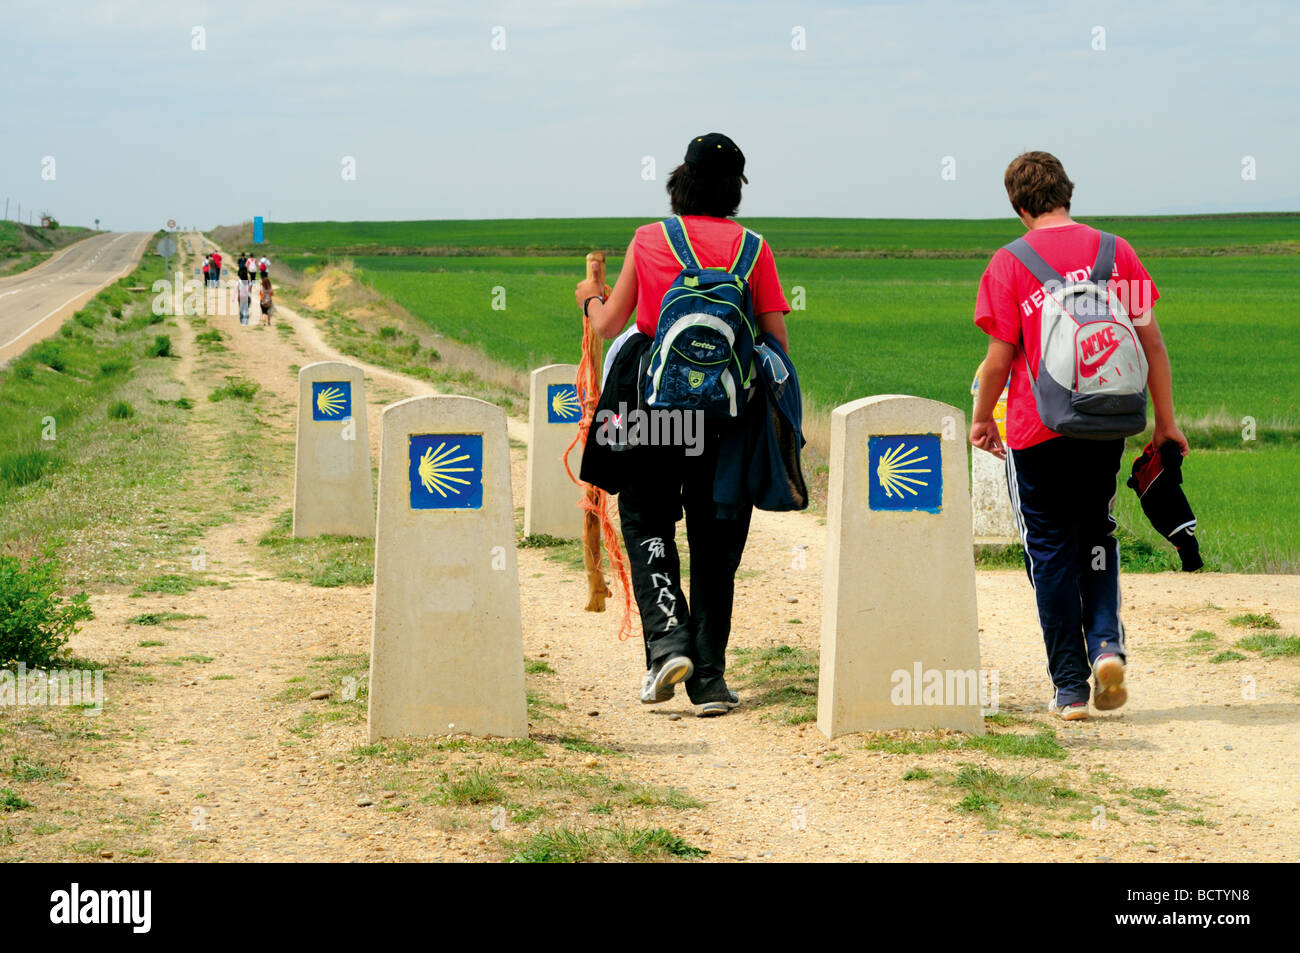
(660, 683)
(712, 709)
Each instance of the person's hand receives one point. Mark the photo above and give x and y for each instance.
(1166, 432)
(587, 288)
(984, 434)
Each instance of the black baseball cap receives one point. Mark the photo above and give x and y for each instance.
(715, 154)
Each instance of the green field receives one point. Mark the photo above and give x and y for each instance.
(898, 320)
(884, 237)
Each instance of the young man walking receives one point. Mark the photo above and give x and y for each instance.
(1063, 487)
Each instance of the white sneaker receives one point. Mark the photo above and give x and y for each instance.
(719, 707)
(1110, 692)
(1075, 712)
(660, 683)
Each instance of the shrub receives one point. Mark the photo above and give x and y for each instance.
(51, 355)
(21, 467)
(35, 621)
(161, 347)
(87, 319)
(24, 369)
(235, 388)
(116, 366)
(122, 410)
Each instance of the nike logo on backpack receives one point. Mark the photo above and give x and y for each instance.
(1089, 368)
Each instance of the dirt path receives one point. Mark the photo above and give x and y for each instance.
(228, 759)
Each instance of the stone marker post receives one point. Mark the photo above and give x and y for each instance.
(332, 487)
(990, 501)
(551, 500)
(900, 638)
(447, 647)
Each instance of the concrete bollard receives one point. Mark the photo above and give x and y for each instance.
(447, 646)
(990, 501)
(900, 638)
(332, 488)
(551, 498)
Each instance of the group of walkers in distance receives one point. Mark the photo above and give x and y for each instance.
(1062, 481)
(249, 269)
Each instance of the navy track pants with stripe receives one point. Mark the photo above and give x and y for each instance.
(1063, 492)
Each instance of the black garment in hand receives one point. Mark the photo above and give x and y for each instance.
(1157, 479)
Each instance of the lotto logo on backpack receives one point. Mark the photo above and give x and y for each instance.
(703, 353)
(1092, 374)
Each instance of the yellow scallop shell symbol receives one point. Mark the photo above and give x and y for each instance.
(564, 403)
(895, 468)
(435, 470)
(329, 401)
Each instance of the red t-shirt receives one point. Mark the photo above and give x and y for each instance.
(1010, 306)
(716, 242)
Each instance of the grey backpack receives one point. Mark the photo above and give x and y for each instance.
(1092, 374)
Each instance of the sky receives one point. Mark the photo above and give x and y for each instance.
(134, 112)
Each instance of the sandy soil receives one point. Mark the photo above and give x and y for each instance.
(1222, 745)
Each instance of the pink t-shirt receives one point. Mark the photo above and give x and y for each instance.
(1009, 307)
(716, 242)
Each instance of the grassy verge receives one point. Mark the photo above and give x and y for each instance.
(93, 438)
(321, 560)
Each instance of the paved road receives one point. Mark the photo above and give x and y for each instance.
(33, 303)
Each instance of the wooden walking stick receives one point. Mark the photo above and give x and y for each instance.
(594, 501)
(588, 384)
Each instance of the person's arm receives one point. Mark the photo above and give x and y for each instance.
(1160, 381)
(773, 322)
(993, 377)
(609, 318)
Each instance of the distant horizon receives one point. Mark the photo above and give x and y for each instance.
(831, 218)
(552, 218)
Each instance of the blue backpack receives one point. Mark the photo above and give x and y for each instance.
(703, 352)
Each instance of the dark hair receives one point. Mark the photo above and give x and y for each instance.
(691, 193)
(1037, 183)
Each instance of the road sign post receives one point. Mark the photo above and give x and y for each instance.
(166, 247)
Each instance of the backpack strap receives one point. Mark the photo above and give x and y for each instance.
(1105, 263)
(751, 243)
(678, 243)
(1024, 253)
